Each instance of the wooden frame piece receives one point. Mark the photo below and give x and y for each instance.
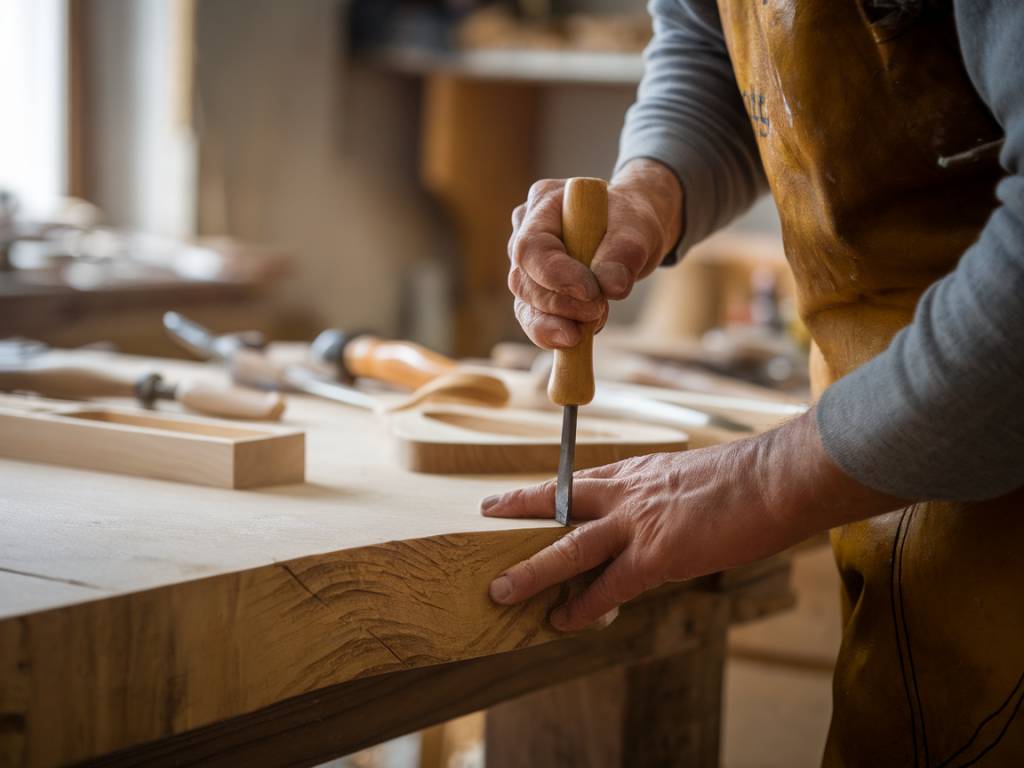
(166, 447)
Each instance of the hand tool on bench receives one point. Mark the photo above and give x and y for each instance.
(64, 377)
(584, 221)
(398, 363)
(611, 400)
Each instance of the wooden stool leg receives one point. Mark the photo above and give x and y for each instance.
(664, 712)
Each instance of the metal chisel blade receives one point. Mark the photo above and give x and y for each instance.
(566, 458)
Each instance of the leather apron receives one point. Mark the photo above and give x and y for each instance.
(853, 103)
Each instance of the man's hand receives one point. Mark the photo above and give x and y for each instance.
(554, 292)
(675, 516)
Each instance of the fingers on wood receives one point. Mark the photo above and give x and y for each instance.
(617, 584)
(591, 499)
(580, 550)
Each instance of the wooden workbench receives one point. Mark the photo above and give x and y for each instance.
(145, 622)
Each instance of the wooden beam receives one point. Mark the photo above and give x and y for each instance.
(315, 727)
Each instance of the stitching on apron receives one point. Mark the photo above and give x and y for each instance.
(1017, 693)
(896, 602)
(906, 636)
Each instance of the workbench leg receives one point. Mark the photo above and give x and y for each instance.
(664, 712)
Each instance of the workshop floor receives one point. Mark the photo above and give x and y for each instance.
(778, 686)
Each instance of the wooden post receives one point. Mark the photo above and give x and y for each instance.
(478, 150)
(660, 712)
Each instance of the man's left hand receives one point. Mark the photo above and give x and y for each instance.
(675, 516)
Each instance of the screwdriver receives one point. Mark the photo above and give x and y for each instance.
(584, 221)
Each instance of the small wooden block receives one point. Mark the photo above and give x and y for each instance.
(454, 439)
(190, 450)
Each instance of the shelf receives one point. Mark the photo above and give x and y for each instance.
(528, 66)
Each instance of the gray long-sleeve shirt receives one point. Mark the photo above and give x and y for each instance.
(940, 413)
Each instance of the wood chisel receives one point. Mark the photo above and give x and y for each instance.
(584, 221)
(337, 355)
(68, 377)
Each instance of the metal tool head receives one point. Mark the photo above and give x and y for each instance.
(202, 343)
(329, 347)
(566, 460)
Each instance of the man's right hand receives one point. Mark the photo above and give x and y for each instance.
(555, 294)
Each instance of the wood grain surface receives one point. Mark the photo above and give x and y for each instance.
(134, 609)
(158, 607)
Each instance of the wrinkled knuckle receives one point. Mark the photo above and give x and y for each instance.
(542, 187)
(524, 313)
(526, 575)
(569, 547)
(529, 250)
(515, 280)
(605, 592)
(632, 250)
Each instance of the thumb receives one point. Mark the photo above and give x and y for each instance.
(619, 260)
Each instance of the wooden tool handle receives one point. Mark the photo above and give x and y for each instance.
(59, 380)
(584, 221)
(229, 402)
(400, 363)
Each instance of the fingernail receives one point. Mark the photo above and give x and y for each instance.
(489, 502)
(607, 619)
(614, 278)
(501, 589)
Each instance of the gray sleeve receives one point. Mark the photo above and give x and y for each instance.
(689, 116)
(940, 413)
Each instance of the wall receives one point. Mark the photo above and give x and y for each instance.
(32, 91)
(141, 153)
(300, 150)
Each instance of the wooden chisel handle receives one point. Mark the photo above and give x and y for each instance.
(82, 382)
(400, 363)
(584, 221)
(63, 381)
(229, 402)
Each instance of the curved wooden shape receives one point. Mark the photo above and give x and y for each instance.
(460, 385)
(455, 439)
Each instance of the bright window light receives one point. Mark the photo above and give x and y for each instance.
(33, 88)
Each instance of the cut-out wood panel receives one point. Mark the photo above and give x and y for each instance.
(455, 439)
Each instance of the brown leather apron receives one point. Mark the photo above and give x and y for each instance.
(853, 102)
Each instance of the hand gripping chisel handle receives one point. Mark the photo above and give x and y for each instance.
(584, 221)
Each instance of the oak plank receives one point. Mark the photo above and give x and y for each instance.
(315, 727)
(198, 605)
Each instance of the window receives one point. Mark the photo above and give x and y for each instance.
(33, 112)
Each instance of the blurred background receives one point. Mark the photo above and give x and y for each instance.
(294, 166)
(288, 167)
